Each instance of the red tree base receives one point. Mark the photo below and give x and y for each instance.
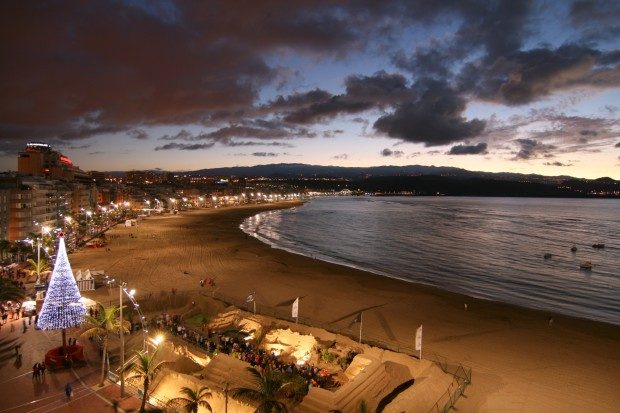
(59, 357)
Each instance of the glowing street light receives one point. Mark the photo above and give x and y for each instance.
(158, 339)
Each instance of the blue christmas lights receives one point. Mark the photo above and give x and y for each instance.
(62, 307)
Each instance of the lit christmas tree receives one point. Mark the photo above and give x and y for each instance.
(62, 307)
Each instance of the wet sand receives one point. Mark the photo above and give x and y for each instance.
(520, 362)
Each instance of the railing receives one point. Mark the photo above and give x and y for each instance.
(447, 401)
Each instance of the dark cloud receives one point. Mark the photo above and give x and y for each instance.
(524, 76)
(388, 152)
(617, 145)
(297, 100)
(596, 19)
(433, 61)
(265, 154)
(435, 118)
(184, 146)
(152, 63)
(556, 163)
(587, 132)
(332, 133)
(326, 110)
(342, 156)
(250, 143)
(362, 93)
(138, 134)
(477, 149)
(73, 70)
(381, 88)
(531, 148)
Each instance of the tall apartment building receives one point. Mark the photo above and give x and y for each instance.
(47, 188)
(29, 202)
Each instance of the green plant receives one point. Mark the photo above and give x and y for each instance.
(327, 356)
(271, 388)
(146, 369)
(198, 319)
(343, 362)
(106, 322)
(194, 398)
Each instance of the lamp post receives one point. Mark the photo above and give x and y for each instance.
(121, 286)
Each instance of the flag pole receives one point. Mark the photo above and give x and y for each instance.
(361, 317)
(254, 303)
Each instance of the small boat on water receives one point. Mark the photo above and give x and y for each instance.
(573, 248)
(598, 246)
(586, 265)
(547, 256)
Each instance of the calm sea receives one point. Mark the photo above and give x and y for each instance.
(490, 248)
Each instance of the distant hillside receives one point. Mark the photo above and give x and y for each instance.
(297, 170)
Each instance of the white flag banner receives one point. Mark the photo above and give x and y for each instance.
(250, 298)
(295, 309)
(418, 339)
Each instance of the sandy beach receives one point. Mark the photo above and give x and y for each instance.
(520, 362)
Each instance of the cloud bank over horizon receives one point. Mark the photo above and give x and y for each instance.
(512, 85)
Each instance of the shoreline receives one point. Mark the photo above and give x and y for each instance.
(519, 361)
(434, 288)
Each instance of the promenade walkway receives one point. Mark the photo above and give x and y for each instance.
(21, 393)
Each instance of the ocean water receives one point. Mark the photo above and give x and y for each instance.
(489, 248)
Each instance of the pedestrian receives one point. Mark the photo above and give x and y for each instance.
(69, 391)
(35, 371)
(42, 369)
(25, 327)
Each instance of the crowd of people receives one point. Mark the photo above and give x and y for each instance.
(235, 345)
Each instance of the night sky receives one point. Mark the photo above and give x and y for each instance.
(515, 86)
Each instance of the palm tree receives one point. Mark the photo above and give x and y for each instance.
(104, 323)
(39, 266)
(271, 389)
(146, 369)
(10, 291)
(5, 246)
(194, 398)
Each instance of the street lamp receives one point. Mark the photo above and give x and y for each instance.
(158, 339)
(122, 287)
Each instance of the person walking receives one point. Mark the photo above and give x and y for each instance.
(25, 327)
(69, 391)
(35, 371)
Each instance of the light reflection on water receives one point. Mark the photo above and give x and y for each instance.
(489, 248)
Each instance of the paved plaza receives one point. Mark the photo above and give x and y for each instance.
(22, 393)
